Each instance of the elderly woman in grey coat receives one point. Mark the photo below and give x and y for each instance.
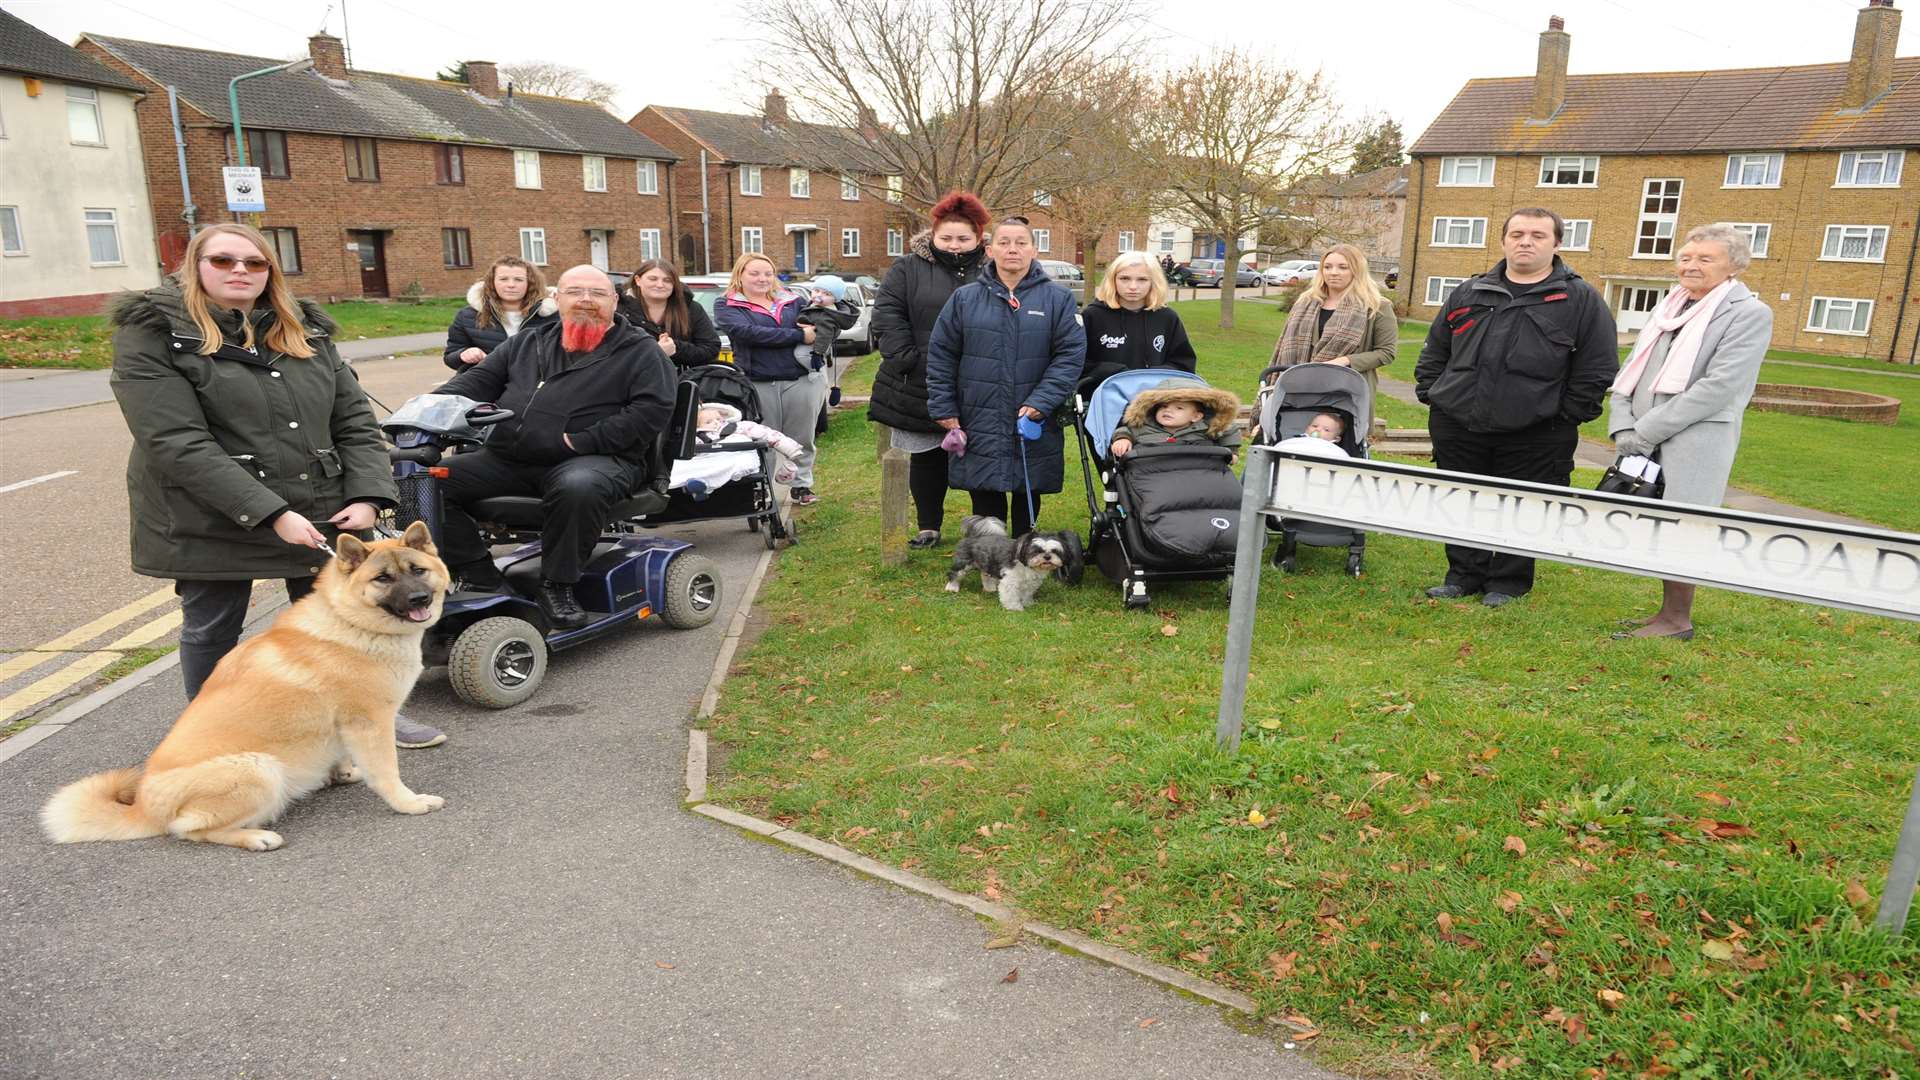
(1685, 386)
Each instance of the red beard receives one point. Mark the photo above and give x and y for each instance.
(582, 336)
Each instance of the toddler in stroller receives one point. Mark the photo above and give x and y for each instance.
(1324, 399)
(714, 464)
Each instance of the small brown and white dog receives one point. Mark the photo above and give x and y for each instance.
(308, 702)
(1013, 568)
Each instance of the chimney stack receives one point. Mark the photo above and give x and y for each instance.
(483, 78)
(329, 56)
(776, 107)
(1876, 31)
(1550, 76)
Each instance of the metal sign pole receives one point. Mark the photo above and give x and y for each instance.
(1256, 489)
(1904, 876)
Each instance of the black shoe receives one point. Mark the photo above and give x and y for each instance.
(1498, 599)
(927, 538)
(804, 496)
(563, 612)
(1446, 592)
(477, 576)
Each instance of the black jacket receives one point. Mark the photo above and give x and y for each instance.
(909, 301)
(1495, 361)
(700, 346)
(1121, 340)
(466, 331)
(613, 401)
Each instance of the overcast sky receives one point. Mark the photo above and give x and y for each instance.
(1400, 58)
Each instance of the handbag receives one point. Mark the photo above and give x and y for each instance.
(1633, 474)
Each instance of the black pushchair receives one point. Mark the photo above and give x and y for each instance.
(751, 496)
(1161, 513)
(1289, 399)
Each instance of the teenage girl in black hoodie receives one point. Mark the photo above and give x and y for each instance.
(1129, 324)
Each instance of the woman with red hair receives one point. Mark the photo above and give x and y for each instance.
(939, 260)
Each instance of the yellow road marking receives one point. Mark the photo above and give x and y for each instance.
(21, 700)
(80, 635)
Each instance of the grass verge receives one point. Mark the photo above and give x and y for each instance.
(131, 661)
(86, 342)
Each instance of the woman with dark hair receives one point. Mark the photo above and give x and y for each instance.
(1004, 356)
(512, 297)
(654, 301)
(938, 261)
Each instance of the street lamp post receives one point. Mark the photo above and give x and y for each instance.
(233, 98)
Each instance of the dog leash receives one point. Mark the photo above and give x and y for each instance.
(1026, 481)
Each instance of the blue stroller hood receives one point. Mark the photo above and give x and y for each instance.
(1110, 398)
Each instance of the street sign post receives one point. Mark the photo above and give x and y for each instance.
(245, 194)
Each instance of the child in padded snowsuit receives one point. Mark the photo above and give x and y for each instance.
(1178, 412)
(828, 314)
(719, 424)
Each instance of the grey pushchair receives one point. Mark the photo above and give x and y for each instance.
(1289, 398)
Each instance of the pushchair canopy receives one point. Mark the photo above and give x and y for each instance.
(1110, 398)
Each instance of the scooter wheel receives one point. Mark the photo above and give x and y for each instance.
(693, 592)
(497, 663)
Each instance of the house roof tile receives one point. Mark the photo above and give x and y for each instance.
(28, 50)
(750, 140)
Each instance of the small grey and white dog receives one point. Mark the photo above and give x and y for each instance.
(1014, 568)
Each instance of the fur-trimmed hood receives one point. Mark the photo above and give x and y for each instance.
(547, 306)
(922, 246)
(163, 310)
(1221, 406)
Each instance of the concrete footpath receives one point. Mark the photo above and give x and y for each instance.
(562, 916)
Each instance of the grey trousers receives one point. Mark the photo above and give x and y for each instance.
(793, 407)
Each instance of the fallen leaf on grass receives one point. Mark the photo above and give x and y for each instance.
(1716, 798)
(1857, 894)
(1282, 964)
(1716, 949)
(1612, 999)
(1255, 817)
(1011, 976)
(1270, 725)
(1508, 901)
(1515, 845)
(1575, 1028)
(1169, 630)
(1723, 830)
(857, 832)
(821, 754)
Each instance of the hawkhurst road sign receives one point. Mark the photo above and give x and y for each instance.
(1871, 570)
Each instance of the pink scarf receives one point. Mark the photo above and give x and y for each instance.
(1692, 327)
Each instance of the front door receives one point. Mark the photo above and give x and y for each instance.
(800, 251)
(1636, 306)
(597, 247)
(371, 248)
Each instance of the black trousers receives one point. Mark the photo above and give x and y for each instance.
(1542, 453)
(212, 614)
(927, 480)
(575, 497)
(996, 504)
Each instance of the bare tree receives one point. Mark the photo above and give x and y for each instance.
(1231, 137)
(1111, 183)
(945, 94)
(558, 80)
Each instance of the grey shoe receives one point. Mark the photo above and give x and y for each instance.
(1496, 599)
(1446, 592)
(413, 735)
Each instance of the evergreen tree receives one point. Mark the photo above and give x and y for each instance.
(1379, 148)
(456, 73)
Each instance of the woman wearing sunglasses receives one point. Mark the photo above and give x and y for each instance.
(252, 441)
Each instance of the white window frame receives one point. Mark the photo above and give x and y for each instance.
(849, 188)
(1167, 241)
(646, 177)
(1443, 228)
(1436, 297)
(799, 184)
(1759, 235)
(1823, 307)
(1891, 163)
(896, 188)
(649, 244)
(896, 242)
(1584, 243)
(19, 247)
(750, 180)
(849, 243)
(1043, 240)
(588, 175)
(526, 170)
(1771, 165)
(88, 98)
(1836, 238)
(1042, 198)
(753, 241)
(1551, 164)
(112, 222)
(1124, 242)
(533, 242)
(1670, 220)
(1450, 172)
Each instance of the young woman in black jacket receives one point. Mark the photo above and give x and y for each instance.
(937, 262)
(1129, 324)
(659, 306)
(511, 298)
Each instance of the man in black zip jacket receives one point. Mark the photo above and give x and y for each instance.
(589, 395)
(1517, 360)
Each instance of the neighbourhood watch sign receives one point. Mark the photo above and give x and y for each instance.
(245, 194)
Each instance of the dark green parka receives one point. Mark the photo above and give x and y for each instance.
(223, 442)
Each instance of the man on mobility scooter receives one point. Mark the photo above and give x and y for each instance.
(589, 395)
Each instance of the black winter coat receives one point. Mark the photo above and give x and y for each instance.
(910, 299)
(1496, 362)
(467, 333)
(1121, 340)
(700, 346)
(613, 401)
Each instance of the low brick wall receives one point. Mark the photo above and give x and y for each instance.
(1855, 405)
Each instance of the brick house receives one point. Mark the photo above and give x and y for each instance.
(76, 225)
(376, 182)
(1816, 163)
(1365, 209)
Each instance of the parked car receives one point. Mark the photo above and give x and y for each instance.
(1291, 272)
(860, 335)
(1061, 271)
(1206, 274)
(706, 289)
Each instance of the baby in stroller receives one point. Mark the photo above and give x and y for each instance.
(1178, 412)
(1322, 437)
(714, 465)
